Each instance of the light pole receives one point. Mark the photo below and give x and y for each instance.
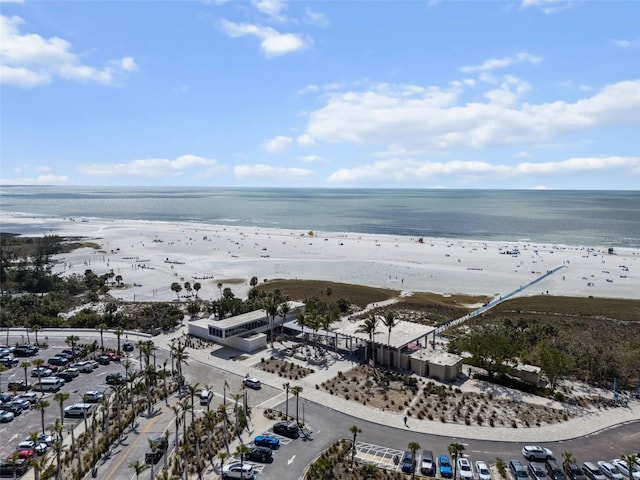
(286, 386)
(304, 402)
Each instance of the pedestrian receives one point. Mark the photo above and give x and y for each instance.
(405, 421)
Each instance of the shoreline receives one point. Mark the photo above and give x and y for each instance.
(150, 255)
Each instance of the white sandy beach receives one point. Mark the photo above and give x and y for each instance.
(149, 256)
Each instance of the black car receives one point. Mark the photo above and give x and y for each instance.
(58, 361)
(115, 379)
(8, 469)
(13, 408)
(260, 454)
(159, 444)
(66, 376)
(574, 472)
(286, 429)
(4, 398)
(127, 347)
(408, 463)
(9, 361)
(18, 385)
(103, 360)
(24, 351)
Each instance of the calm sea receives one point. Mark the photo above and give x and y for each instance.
(607, 218)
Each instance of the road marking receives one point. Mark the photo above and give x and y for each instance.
(290, 461)
(101, 373)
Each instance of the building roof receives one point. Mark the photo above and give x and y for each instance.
(402, 334)
(437, 357)
(243, 318)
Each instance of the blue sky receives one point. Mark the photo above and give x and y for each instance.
(399, 94)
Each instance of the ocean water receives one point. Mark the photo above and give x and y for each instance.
(593, 218)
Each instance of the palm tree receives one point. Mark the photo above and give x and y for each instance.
(455, 450)
(119, 331)
(568, 458)
(193, 389)
(632, 462)
(301, 320)
(39, 464)
(104, 407)
(241, 451)
(38, 362)
(58, 448)
(184, 408)
(61, 397)
(355, 430)
(197, 287)
(297, 390)
(176, 411)
(222, 412)
(198, 430)
(413, 448)
(72, 341)
(180, 354)
(176, 287)
(369, 327)
(222, 456)
(284, 309)
(42, 405)
(389, 321)
(220, 288)
(101, 328)
(138, 467)
(270, 306)
(36, 328)
(25, 366)
(119, 394)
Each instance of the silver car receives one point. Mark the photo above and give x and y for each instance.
(610, 471)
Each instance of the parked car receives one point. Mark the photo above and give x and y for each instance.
(93, 396)
(464, 469)
(30, 397)
(260, 454)
(537, 471)
(127, 346)
(426, 464)
(73, 371)
(252, 382)
(518, 470)
(78, 410)
(39, 448)
(482, 470)
(205, 397)
(53, 368)
(287, 429)
(574, 472)
(25, 453)
(444, 466)
(4, 398)
(84, 367)
(6, 416)
(58, 361)
(9, 361)
(535, 453)
(104, 360)
(22, 403)
(592, 471)
(66, 376)
(268, 441)
(624, 468)
(13, 408)
(153, 457)
(610, 471)
(115, 379)
(237, 470)
(11, 468)
(66, 356)
(408, 463)
(44, 438)
(41, 372)
(554, 471)
(113, 356)
(18, 385)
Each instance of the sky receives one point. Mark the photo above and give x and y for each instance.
(523, 94)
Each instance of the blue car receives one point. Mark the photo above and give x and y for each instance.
(267, 441)
(408, 463)
(444, 467)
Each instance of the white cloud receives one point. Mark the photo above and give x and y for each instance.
(626, 43)
(311, 159)
(315, 18)
(29, 60)
(37, 180)
(548, 6)
(494, 63)
(270, 172)
(522, 154)
(272, 8)
(436, 119)
(278, 144)
(273, 43)
(409, 170)
(154, 167)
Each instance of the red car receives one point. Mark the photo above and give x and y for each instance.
(113, 356)
(25, 453)
(53, 368)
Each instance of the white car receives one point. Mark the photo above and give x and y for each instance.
(41, 372)
(6, 417)
(535, 453)
(39, 448)
(464, 469)
(44, 438)
(252, 382)
(482, 470)
(237, 470)
(610, 471)
(93, 396)
(624, 468)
